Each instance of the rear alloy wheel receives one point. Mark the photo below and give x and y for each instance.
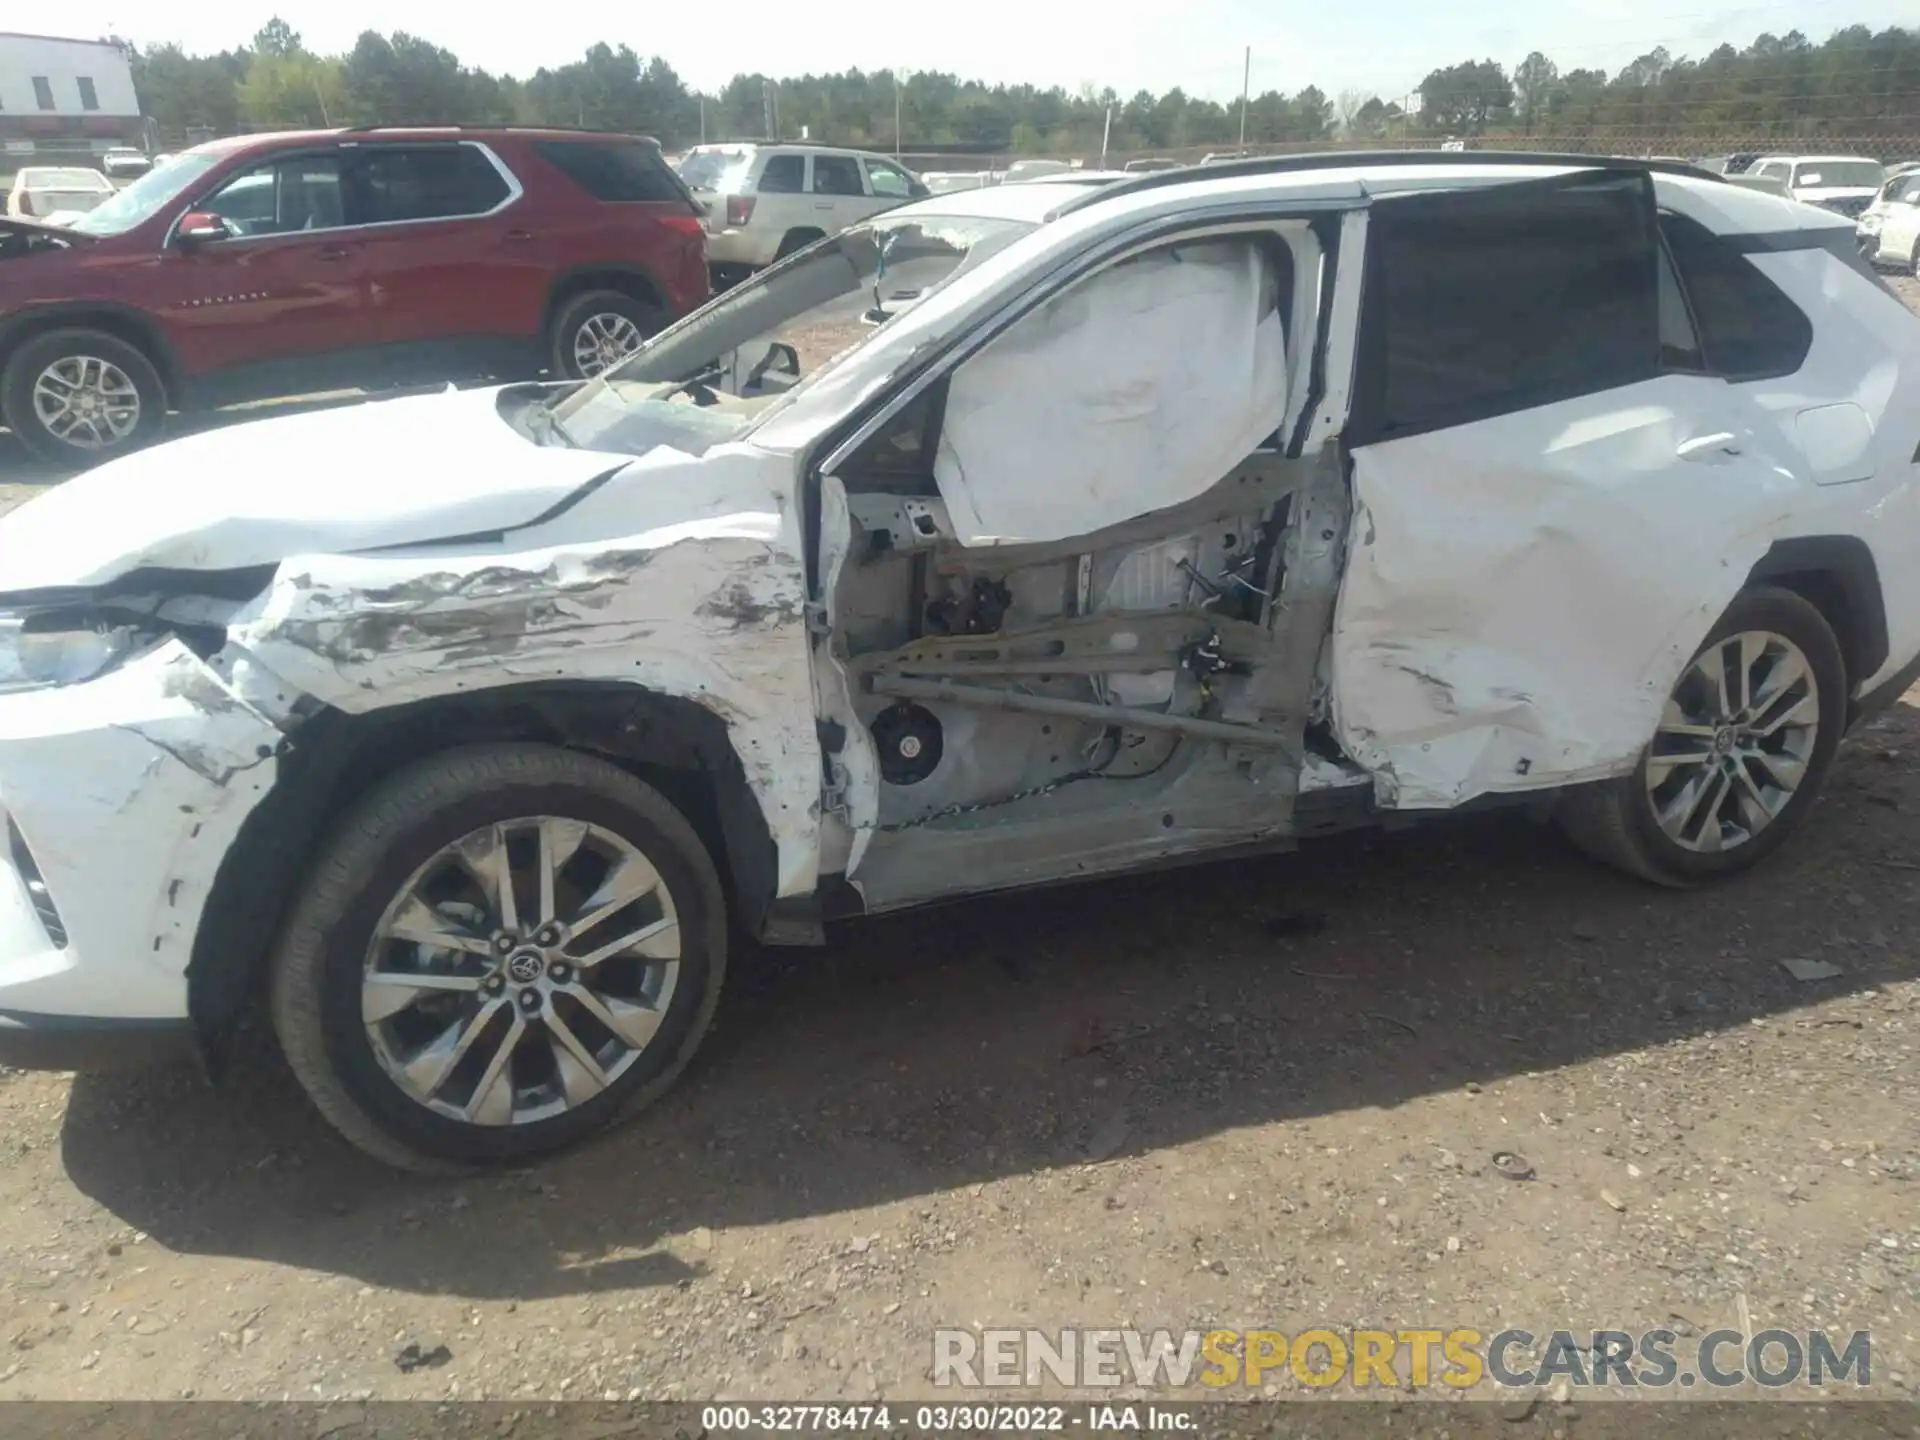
(1743, 744)
(1735, 742)
(596, 331)
(503, 950)
(76, 397)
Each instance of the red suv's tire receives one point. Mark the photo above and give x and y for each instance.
(77, 397)
(597, 329)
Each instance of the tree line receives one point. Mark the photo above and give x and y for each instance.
(1857, 82)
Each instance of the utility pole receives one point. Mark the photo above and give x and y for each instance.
(1246, 85)
(766, 107)
(1106, 134)
(703, 119)
(896, 115)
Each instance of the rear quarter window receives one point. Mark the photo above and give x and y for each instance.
(625, 172)
(1749, 329)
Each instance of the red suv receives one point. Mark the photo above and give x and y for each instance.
(287, 264)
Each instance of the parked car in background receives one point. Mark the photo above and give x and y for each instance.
(1148, 165)
(1889, 229)
(945, 182)
(766, 200)
(123, 162)
(42, 191)
(1021, 171)
(1765, 184)
(281, 264)
(1844, 184)
(1734, 164)
(472, 727)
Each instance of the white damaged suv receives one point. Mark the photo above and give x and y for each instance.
(1018, 535)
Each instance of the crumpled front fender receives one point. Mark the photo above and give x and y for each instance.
(126, 793)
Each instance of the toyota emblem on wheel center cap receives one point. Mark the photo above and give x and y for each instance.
(526, 966)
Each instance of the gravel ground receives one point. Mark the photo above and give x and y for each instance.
(1265, 1093)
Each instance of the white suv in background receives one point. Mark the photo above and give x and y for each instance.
(1845, 184)
(765, 201)
(1889, 231)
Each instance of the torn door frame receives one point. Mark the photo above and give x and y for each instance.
(1243, 805)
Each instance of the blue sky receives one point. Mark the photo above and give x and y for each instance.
(1382, 46)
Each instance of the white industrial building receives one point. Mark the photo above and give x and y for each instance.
(62, 96)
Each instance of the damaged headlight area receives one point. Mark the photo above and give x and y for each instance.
(70, 637)
(33, 655)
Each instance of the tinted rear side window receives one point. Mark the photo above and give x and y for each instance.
(836, 175)
(618, 172)
(1749, 329)
(427, 183)
(783, 175)
(1482, 302)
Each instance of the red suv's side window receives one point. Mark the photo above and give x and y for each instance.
(618, 172)
(428, 183)
(302, 193)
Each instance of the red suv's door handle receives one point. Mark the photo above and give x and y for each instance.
(519, 237)
(333, 252)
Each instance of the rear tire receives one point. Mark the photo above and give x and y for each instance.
(1649, 823)
(79, 396)
(595, 331)
(525, 1036)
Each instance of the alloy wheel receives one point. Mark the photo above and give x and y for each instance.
(1734, 743)
(602, 341)
(521, 971)
(86, 402)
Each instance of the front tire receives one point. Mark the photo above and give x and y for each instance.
(499, 951)
(1744, 745)
(78, 396)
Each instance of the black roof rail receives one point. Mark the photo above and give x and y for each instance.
(1373, 159)
(527, 129)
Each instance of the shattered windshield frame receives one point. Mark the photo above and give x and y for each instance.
(773, 335)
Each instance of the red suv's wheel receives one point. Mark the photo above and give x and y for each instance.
(596, 331)
(76, 397)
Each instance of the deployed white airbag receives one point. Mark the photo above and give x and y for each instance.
(1135, 390)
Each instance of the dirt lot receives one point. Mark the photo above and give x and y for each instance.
(1256, 1094)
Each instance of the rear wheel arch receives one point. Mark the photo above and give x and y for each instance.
(1620, 821)
(678, 747)
(1836, 574)
(798, 239)
(633, 281)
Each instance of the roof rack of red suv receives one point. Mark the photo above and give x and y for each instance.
(1372, 159)
(496, 129)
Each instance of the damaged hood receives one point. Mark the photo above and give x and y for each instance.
(19, 225)
(357, 477)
